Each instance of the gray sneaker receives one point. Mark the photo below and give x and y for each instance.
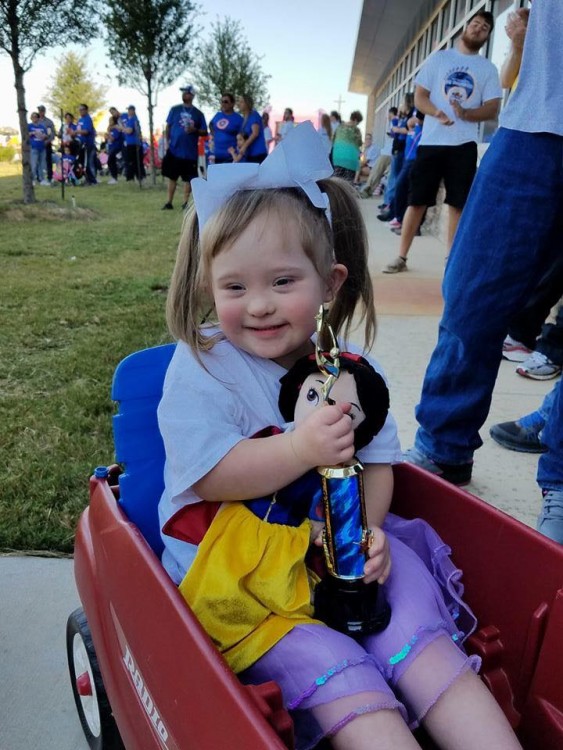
(458, 474)
(398, 265)
(550, 520)
(538, 367)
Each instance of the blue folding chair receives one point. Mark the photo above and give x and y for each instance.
(137, 387)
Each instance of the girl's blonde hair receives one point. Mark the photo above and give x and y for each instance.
(190, 302)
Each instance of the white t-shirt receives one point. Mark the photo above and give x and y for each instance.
(449, 76)
(535, 105)
(204, 414)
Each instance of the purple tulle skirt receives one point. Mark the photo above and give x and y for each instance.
(327, 679)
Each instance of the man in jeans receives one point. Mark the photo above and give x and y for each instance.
(501, 251)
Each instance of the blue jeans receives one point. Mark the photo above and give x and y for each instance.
(510, 232)
(38, 164)
(550, 465)
(394, 171)
(90, 165)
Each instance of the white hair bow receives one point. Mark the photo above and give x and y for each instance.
(298, 161)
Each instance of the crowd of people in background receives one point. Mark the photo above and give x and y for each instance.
(77, 154)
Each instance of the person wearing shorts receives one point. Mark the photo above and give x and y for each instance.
(184, 125)
(456, 89)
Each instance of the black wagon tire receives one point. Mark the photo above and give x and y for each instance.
(92, 704)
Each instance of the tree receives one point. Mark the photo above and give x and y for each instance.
(151, 43)
(227, 63)
(72, 84)
(28, 27)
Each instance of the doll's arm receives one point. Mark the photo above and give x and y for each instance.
(257, 467)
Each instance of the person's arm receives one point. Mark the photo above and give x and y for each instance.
(516, 28)
(487, 111)
(423, 103)
(260, 466)
(254, 133)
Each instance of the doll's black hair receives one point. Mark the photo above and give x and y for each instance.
(372, 392)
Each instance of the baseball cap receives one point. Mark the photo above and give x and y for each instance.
(188, 88)
(131, 106)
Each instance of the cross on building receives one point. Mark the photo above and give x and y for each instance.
(340, 101)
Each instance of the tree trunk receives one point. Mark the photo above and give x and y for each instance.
(151, 130)
(28, 192)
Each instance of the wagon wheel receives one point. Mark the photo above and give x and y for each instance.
(90, 696)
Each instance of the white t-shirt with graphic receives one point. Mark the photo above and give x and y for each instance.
(204, 414)
(451, 76)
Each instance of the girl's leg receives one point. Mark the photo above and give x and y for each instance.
(481, 724)
(464, 716)
(384, 730)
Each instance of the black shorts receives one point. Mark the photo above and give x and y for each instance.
(173, 168)
(456, 165)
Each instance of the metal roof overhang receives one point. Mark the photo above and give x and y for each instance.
(386, 27)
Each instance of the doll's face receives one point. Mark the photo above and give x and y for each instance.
(343, 391)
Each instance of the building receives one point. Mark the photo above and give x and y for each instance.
(396, 36)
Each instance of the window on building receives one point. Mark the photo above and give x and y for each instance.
(460, 11)
(433, 33)
(446, 20)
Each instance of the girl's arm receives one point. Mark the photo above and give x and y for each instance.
(257, 467)
(378, 486)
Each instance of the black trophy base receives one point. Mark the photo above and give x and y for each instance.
(352, 607)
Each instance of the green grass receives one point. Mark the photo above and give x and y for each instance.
(80, 288)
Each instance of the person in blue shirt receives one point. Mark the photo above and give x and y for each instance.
(37, 137)
(86, 134)
(254, 149)
(131, 127)
(184, 125)
(224, 128)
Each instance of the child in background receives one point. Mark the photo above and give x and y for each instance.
(264, 254)
(236, 153)
(64, 169)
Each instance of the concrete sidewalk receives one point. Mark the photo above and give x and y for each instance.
(37, 594)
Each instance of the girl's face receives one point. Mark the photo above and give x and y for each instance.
(267, 291)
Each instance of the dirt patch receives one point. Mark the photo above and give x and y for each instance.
(45, 211)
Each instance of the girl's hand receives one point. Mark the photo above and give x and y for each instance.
(325, 437)
(378, 567)
(316, 532)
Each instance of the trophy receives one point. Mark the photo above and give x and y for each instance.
(342, 600)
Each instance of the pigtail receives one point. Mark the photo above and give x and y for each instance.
(188, 304)
(351, 249)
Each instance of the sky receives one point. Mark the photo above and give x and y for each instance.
(307, 46)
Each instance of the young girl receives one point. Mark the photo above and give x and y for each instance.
(264, 254)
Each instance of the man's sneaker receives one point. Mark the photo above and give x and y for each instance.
(395, 224)
(45, 183)
(111, 181)
(458, 474)
(384, 216)
(515, 437)
(167, 206)
(515, 351)
(538, 367)
(383, 207)
(365, 193)
(184, 205)
(550, 520)
(397, 231)
(398, 265)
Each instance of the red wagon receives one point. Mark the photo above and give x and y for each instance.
(144, 673)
